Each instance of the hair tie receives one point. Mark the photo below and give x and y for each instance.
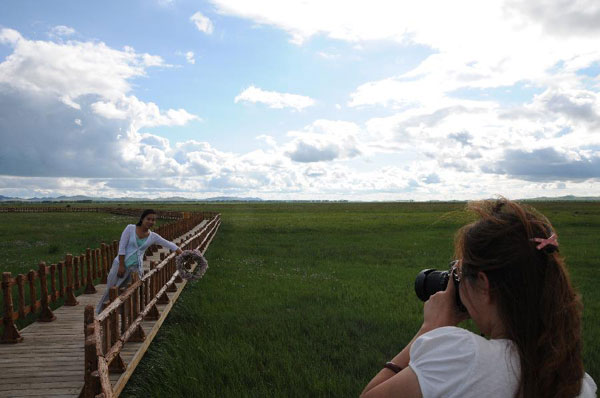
(545, 242)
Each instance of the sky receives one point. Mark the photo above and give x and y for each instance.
(311, 99)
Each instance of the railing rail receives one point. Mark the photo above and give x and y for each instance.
(74, 272)
(121, 320)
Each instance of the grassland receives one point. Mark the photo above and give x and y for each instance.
(29, 238)
(309, 300)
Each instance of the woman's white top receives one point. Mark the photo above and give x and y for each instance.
(453, 362)
(128, 245)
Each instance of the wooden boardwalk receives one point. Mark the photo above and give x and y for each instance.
(50, 360)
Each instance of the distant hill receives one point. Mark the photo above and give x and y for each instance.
(565, 198)
(83, 198)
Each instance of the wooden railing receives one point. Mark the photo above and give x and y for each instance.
(120, 321)
(62, 280)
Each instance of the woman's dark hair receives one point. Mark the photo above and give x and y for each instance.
(144, 214)
(539, 307)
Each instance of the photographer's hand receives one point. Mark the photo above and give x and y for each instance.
(441, 309)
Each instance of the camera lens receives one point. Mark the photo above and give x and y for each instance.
(430, 281)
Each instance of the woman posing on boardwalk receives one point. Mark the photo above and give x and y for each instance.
(516, 289)
(135, 239)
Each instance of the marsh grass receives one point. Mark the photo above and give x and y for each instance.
(309, 300)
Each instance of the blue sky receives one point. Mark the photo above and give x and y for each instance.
(299, 99)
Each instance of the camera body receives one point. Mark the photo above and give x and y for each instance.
(430, 281)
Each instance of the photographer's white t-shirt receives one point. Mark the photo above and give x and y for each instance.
(453, 362)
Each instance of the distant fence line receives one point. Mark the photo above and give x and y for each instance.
(62, 280)
(162, 214)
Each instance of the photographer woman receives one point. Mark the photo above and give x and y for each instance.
(135, 239)
(515, 287)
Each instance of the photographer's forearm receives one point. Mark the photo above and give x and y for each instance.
(402, 360)
(403, 357)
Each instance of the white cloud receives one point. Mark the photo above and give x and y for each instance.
(328, 55)
(202, 23)
(344, 20)
(324, 140)
(67, 111)
(189, 56)
(274, 99)
(267, 139)
(165, 3)
(563, 17)
(71, 70)
(141, 114)
(496, 43)
(62, 30)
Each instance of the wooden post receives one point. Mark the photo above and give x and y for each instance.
(76, 272)
(94, 266)
(163, 298)
(32, 295)
(172, 288)
(46, 314)
(153, 313)
(104, 262)
(53, 283)
(89, 287)
(88, 318)
(106, 335)
(117, 365)
(11, 333)
(61, 283)
(178, 278)
(98, 262)
(82, 269)
(139, 335)
(21, 289)
(124, 312)
(70, 299)
(91, 386)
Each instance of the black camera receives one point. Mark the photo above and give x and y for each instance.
(430, 281)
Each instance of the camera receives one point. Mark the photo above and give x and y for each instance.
(430, 281)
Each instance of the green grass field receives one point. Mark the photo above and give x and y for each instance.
(26, 239)
(309, 300)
